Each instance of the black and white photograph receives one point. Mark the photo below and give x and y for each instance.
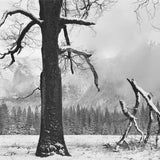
(80, 79)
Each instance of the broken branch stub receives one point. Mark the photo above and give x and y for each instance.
(147, 97)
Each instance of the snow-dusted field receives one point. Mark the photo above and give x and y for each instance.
(81, 147)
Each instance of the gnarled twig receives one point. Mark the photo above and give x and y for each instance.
(17, 46)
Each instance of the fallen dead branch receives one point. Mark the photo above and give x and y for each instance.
(131, 116)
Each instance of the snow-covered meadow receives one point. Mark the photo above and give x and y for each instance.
(81, 147)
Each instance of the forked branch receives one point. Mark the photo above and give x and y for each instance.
(131, 117)
(17, 46)
(23, 12)
(150, 7)
(86, 58)
(132, 120)
(147, 97)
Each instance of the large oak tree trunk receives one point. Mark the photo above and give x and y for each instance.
(51, 136)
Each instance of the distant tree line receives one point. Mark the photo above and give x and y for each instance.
(76, 120)
(18, 121)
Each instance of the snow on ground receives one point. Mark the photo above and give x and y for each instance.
(81, 147)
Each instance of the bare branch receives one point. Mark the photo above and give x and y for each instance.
(23, 12)
(152, 107)
(137, 95)
(86, 57)
(75, 21)
(66, 35)
(17, 46)
(68, 44)
(38, 88)
(131, 117)
(150, 7)
(147, 97)
(85, 8)
(132, 120)
(68, 48)
(125, 111)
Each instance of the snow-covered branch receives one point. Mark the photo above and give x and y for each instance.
(75, 21)
(132, 120)
(147, 97)
(131, 117)
(137, 95)
(125, 111)
(23, 12)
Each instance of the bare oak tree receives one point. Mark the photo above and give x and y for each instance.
(51, 23)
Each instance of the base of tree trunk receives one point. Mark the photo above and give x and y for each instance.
(45, 150)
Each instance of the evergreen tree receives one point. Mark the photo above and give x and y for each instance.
(66, 117)
(13, 116)
(107, 116)
(72, 128)
(37, 120)
(1, 120)
(87, 122)
(21, 129)
(107, 123)
(29, 121)
(99, 121)
(4, 119)
(78, 120)
(19, 115)
(105, 129)
(92, 121)
(24, 116)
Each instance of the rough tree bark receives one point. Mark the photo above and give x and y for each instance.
(51, 136)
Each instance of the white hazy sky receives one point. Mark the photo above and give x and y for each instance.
(116, 30)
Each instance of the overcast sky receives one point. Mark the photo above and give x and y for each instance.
(116, 30)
